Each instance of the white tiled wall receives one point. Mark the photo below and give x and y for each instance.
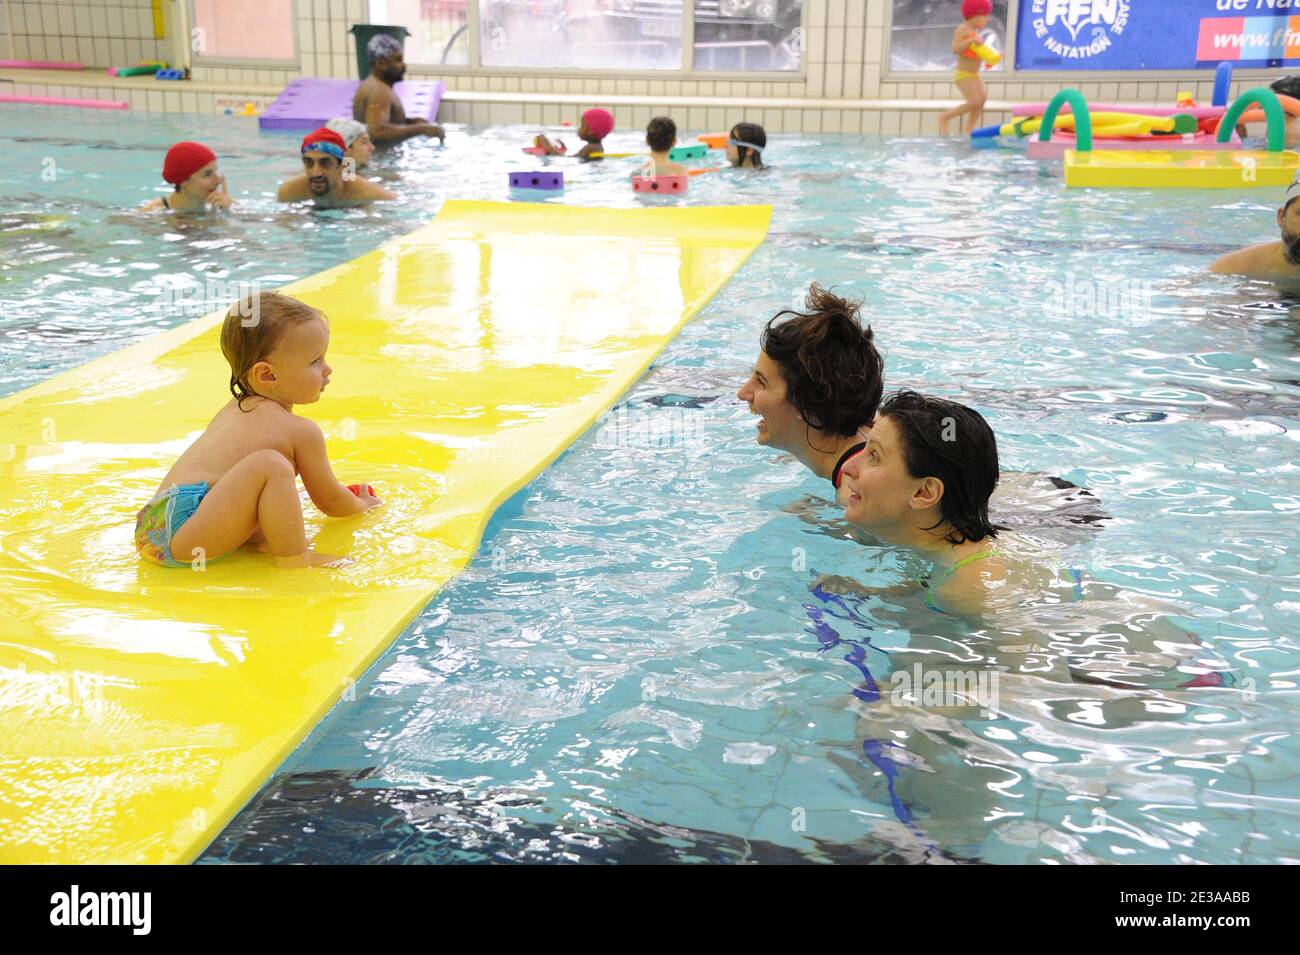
(844, 64)
(94, 33)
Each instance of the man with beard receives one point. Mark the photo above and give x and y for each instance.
(1270, 259)
(325, 178)
(375, 103)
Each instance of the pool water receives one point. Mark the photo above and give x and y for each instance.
(634, 668)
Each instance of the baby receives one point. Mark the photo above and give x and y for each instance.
(237, 483)
(661, 137)
(594, 126)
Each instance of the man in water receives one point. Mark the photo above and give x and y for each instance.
(377, 105)
(324, 178)
(1271, 259)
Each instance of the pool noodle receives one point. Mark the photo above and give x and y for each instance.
(140, 706)
(63, 101)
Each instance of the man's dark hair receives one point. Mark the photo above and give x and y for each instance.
(834, 375)
(951, 442)
(660, 134)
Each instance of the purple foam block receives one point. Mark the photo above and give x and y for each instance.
(537, 180)
(310, 103)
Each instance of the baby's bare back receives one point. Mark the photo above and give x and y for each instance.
(233, 435)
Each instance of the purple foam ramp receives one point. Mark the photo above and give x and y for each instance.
(310, 103)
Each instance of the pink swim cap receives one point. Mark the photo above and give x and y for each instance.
(975, 8)
(599, 121)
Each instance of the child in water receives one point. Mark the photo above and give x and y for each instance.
(661, 137)
(191, 168)
(594, 126)
(237, 483)
(745, 145)
(975, 14)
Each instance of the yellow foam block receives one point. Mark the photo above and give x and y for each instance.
(1188, 169)
(140, 707)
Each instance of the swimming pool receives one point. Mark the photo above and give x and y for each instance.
(632, 668)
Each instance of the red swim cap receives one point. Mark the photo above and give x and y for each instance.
(184, 160)
(975, 8)
(599, 121)
(326, 141)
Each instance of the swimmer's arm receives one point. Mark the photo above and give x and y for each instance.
(963, 38)
(153, 205)
(333, 499)
(379, 114)
(291, 190)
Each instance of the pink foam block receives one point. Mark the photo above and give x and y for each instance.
(664, 185)
(61, 101)
(1200, 112)
(38, 65)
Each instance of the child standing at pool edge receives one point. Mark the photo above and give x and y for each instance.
(237, 483)
(975, 14)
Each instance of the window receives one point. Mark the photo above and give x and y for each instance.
(920, 35)
(244, 30)
(729, 35)
(587, 34)
(439, 29)
(748, 34)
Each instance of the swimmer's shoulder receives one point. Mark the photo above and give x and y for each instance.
(969, 590)
(293, 189)
(153, 205)
(1262, 259)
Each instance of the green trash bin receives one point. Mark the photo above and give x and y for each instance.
(363, 32)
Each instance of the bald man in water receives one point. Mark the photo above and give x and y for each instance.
(1280, 259)
(378, 106)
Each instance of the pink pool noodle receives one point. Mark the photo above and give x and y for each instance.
(1200, 112)
(38, 65)
(63, 101)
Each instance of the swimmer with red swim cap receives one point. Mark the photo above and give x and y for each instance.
(329, 175)
(595, 125)
(975, 15)
(191, 168)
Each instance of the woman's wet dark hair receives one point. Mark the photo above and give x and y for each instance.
(953, 443)
(834, 375)
(749, 133)
(1287, 86)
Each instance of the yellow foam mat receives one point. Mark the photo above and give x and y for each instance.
(140, 707)
(1180, 169)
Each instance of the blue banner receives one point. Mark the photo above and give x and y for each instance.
(1156, 34)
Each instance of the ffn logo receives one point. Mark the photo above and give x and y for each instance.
(102, 908)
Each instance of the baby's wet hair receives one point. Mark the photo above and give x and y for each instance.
(951, 442)
(253, 326)
(661, 134)
(834, 375)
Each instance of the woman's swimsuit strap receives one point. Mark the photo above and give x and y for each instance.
(969, 559)
(835, 475)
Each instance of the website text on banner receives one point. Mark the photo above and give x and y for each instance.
(1156, 34)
